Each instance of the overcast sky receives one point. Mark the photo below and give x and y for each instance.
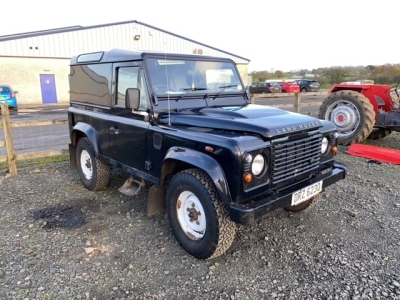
(275, 35)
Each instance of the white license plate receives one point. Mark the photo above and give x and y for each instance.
(306, 193)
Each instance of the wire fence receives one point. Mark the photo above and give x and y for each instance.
(30, 144)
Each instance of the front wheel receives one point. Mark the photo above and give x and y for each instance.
(199, 220)
(93, 172)
(351, 112)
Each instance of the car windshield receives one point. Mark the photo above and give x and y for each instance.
(177, 77)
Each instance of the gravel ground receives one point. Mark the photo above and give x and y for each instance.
(60, 241)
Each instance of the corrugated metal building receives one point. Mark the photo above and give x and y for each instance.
(37, 63)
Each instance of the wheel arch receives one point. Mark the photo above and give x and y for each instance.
(81, 130)
(367, 92)
(179, 158)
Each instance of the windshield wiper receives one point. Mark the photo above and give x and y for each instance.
(188, 90)
(223, 89)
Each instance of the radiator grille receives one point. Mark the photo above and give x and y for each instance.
(295, 158)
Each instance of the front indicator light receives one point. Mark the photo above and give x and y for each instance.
(334, 149)
(247, 178)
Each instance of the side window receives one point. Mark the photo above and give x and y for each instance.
(131, 77)
(127, 78)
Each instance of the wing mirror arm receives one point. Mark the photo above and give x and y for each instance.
(154, 99)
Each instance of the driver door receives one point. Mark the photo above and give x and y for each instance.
(128, 129)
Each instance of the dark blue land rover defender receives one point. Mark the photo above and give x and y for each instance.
(183, 127)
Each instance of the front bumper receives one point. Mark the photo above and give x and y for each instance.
(248, 213)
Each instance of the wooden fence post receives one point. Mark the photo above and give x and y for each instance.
(297, 102)
(11, 158)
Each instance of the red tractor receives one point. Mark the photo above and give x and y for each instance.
(362, 111)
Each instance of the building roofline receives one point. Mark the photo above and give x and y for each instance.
(193, 41)
(17, 36)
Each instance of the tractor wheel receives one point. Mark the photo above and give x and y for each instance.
(379, 133)
(199, 220)
(351, 112)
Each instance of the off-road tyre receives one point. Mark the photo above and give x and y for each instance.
(379, 133)
(306, 205)
(193, 188)
(353, 104)
(94, 173)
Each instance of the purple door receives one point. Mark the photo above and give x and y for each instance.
(48, 87)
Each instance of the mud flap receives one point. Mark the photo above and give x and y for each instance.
(72, 157)
(156, 201)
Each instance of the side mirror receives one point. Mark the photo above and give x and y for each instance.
(132, 98)
(15, 92)
(248, 95)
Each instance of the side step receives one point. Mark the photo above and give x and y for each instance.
(130, 189)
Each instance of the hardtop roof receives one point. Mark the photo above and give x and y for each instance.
(118, 55)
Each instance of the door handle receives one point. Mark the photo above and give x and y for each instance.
(115, 130)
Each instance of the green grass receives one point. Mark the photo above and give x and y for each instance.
(35, 163)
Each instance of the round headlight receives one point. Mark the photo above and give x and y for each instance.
(258, 165)
(324, 145)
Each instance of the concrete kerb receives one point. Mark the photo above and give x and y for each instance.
(42, 107)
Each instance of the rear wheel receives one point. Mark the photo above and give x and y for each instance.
(352, 113)
(304, 90)
(13, 111)
(199, 220)
(93, 172)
